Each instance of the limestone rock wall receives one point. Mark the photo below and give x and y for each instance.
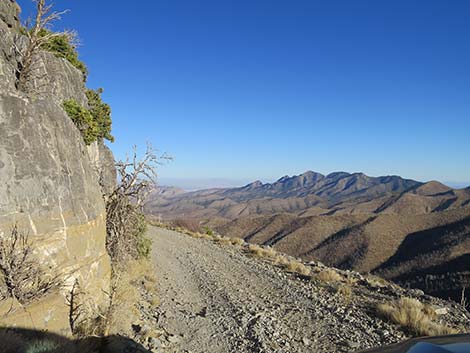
(50, 183)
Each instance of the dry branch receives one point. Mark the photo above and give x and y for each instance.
(21, 277)
(38, 35)
(137, 178)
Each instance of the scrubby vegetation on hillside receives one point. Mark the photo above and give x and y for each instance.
(94, 123)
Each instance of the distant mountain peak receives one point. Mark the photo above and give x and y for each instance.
(253, 185)
(282, 179)
(338, 175)
(310, 173)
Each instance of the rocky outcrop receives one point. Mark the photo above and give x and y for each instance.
(102, 160)
(50, 183)
(9, 13)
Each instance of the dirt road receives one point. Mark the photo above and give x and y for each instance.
(218, 299)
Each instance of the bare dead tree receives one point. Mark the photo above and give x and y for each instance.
(38, 35)
(21, 277)
(125, 224)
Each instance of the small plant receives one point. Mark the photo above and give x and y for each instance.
(414, 316)
(345, 292)
(298, 267)
(237, 241)
(328, 276)
(21, 275)
(208, 231)
(376, 281)
(222, 240)
(281, 260)
(265, 252)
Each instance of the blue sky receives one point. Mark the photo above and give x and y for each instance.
(256, 89)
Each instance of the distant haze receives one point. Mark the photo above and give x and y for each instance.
(191, 184)
(456, 184)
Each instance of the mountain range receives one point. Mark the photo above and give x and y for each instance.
(401, 229)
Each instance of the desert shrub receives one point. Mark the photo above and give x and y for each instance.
(298, 267)
(328, 276)
(226, 240)
(261, 251)
(281, 260)
(143, 244)
(126, 229)
(62, 46)
(93, 123)
(376, 281)
(21, 274)
(345, 292)
(237, 241)
(208, 231)
(125, 223)
(414, 316)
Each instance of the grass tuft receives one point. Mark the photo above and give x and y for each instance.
(237, 241)
(414, 316)
(345, 292)
(259, 251)
(329, 276)
(298, 267)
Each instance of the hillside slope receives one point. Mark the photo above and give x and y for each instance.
(396, 247)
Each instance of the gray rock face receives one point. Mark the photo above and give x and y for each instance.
(9, 12)
(8, 62)
(103, 162)
(50, 183)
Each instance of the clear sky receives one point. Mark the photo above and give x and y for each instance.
(256, 89)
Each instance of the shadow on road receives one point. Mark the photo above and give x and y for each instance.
(17, 340)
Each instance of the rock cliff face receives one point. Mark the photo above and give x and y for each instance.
(51, 183)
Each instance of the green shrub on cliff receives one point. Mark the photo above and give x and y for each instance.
(62, 47)
(101, 113)
(94, 123)
(83, 120)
